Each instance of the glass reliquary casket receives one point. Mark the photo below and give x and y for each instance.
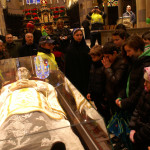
(41, 109)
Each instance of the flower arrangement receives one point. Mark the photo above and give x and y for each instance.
(62, 7)
(56, 13)
(55, 17)
(26, 10)
(62, 12)
(34, 14)
(34, 10)
(28, 15)
(36, 19)
(52, 8)
(56, 8)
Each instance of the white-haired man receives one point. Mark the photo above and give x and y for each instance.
(30, 48)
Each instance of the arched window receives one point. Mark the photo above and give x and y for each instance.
(112, 3)
(32, 1)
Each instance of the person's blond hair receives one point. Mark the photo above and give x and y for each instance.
(96, 50)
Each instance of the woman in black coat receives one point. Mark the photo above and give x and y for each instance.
(77, 62)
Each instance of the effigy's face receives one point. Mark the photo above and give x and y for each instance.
(23, 73)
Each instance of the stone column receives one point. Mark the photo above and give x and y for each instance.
(106, 11)
(141, 13)
(2, 21)
(147, 10)
(84, 8)
(120, 9)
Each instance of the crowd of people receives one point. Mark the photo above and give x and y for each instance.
(116, 75)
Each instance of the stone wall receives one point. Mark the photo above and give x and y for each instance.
(85, 6)
(106, 35)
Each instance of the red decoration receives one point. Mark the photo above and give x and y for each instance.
(62, 7)
(56, 12)
(61, 11)
(34, 14)
(36, 18)
(56, 16)
(52, 8)
(34, 10)
(28, 14)
(56, 8)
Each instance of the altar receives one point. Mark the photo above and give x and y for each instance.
(45, 16)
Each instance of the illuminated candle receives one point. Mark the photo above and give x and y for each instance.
(22, 2)
(51, 2)
(36, 2)
(29, 2)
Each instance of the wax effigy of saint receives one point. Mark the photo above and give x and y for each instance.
(31, 116)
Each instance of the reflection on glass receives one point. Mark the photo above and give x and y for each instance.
(40, 107)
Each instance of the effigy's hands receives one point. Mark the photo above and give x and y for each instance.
(25, 83)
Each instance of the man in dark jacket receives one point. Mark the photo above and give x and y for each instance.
(115, 70)
(29, 48)
(130, 14)
(11, 47)
(86, 25)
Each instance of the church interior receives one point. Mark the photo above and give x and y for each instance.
(66, 118)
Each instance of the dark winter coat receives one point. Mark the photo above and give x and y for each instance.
(135, 82)
(28, 50)
(96, 81)
(116, 77)
(77, 65)
(140, 122)
(132, 15)
(13, 49)
(63, 44)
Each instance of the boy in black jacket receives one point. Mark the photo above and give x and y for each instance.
(97, 79)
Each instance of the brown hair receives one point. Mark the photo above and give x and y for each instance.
(121, 33)
(134, 42)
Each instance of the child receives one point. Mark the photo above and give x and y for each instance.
(140, 121)
(97, 78)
